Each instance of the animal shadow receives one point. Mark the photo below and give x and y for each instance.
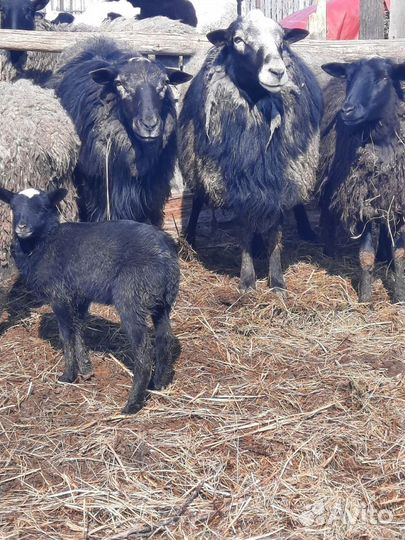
(101, 336)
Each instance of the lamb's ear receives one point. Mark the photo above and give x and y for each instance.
(6, 195)
(336, 69)
(217, 37)
(291, 35)
(56, 195)
(398, 72)
(39, 4)
(176, 76)
(104, 75)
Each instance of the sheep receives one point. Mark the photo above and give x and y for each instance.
(249, 134)
(364, 166)
(38, 146)
(132, 266)
(124, 112)
(97, 12)
(180, 10)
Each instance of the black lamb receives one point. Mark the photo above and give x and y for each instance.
(363, 144)
(124, 112)
(132, 266)
(179, 10)
(249, 134)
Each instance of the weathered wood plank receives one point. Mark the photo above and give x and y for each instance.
(162, 44)
(371, 19)
(397, 19)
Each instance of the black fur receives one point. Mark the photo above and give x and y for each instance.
(63, 18)
(132, 266)
(124, 113)
(19, 15)
(363, 143)
(179, 10)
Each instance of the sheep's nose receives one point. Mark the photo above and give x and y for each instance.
(348, 109)
(277, 72)
(22, 229)
(150, 122)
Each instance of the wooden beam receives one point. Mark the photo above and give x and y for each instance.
(162, 43)
(397, 19)
(371, 19)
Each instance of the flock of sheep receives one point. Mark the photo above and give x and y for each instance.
(255, 135)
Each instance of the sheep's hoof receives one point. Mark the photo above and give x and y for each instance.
(86, 370)
(279, 291)
(132, 408)
(247, 286)
(86, 376)
(158, 383)
(67, 377)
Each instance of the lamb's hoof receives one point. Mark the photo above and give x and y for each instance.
(161, 382)
(86, 376)
(67, 378)
(132, 408)
(86, 370)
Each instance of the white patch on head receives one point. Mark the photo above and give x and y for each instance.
(263, 33)
(29, 192)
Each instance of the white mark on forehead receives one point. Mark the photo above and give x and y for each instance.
(257, 23)
(30, 192)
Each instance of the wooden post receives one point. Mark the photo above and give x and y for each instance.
(371, 19)
(397, 19)
(239, 7)
(317, 23)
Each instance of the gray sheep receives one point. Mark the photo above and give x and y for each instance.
(249, 134)
(38, 146)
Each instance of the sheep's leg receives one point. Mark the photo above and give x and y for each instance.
(247, 269)
(399, 259)
(384, 250)
(164, 372)
(328, 226)
(82, 355)
(367, 263)
(136, 330)
(275, 277)
(67, 335)
(190, 232)
(305, 231)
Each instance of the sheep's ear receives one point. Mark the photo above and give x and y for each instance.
(103, 75)
(56, 195)
(39, 4)
(6, 195)
(177, 77)
(336, 69)
(398, 72)
(291, 35)
(217, 37)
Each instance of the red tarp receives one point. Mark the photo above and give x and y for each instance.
(343, 18)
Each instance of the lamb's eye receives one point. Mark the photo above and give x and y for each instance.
(238, 40)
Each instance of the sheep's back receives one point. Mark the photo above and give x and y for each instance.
(39, 147)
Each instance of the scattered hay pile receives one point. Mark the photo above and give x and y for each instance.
(285, 419)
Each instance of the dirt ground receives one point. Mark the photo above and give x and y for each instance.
(285, 419)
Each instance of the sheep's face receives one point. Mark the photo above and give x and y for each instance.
(370, 85)
(33, 210)
(141, 87)
(20, 14)
(256, 45)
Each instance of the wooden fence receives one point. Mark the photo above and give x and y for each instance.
(276, 9)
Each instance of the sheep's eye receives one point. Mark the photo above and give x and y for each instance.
(118, 84)
(238, 40)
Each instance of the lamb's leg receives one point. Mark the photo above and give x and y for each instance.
(82, 355)
(67, 332)
(399, 259)
(136, 329)
(367, 263)
(304, 228)
(384, 250)
(190, 232)
(275, 277)
(163, 374)
(247, 269)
